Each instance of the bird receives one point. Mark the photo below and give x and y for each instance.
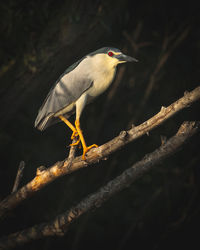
(78, 86)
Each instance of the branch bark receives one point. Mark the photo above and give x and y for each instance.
(95, 155)
(61, 223)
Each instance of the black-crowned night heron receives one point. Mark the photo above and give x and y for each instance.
(78, 86)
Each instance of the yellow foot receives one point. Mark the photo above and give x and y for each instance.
(86, 149)
(74, 134)
(75, 143)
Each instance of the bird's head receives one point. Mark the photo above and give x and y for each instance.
(111, 56)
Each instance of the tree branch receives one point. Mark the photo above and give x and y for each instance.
(60, 224)
(94, 155)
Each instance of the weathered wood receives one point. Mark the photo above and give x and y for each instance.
(95, 155)
(60, 224)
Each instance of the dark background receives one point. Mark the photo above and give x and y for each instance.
(38, 41)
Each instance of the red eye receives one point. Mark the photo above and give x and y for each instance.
(110, 53)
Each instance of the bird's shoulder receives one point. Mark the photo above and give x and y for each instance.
(71, 68)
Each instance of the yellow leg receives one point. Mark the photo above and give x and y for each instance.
(75, 133)
(85, 148)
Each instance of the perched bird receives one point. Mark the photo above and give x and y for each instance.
(77, 86)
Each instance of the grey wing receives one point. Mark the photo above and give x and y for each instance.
(67, 90)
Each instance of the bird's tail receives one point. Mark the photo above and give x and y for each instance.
(42, 123)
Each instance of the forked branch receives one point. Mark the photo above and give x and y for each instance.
(67, 166)
(61, 223)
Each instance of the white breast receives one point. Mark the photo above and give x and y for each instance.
(102, 73)
(101, 83)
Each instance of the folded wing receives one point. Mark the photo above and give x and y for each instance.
(70, 86)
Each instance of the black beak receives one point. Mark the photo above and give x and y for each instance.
(125, 58)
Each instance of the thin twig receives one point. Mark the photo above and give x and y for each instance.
(95, 155)
(166, 52)
(72, 152)
(18, 176)
(61, 223)
(136, 46)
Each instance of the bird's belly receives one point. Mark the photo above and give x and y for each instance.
(100, 85)
(97, 89)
